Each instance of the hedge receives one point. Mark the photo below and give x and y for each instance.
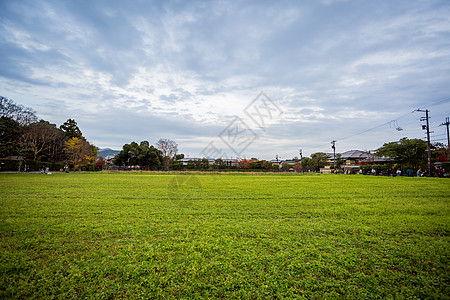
(33, 165)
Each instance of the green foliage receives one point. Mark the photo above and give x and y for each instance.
(143, 155)
(306, 164)
(410, 153)
(10, 131)
(177, 165)
(318, 160)
(198, 164)
(226, 237)
(286, 167)
(71, 129)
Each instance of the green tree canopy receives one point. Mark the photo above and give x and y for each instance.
(71, 129)
(10, 131)
(318, 160)
(144, 155)
(411, 153)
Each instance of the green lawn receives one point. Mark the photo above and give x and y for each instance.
(223, 236)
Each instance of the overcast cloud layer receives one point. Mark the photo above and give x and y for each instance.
(143, 70)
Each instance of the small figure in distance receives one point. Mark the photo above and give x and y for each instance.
(399, 172)
(66, 168)
(409, 172)
(419, 172)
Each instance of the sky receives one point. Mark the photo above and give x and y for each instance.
(232, 78)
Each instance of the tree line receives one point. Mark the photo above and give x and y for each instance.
(148, 157)
(26, 142)
(29, 143)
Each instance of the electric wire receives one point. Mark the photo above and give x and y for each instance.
(394, 121)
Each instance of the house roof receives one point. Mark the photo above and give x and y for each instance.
(354, 154)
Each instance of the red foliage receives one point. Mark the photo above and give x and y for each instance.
(244, 163)
(100, 162)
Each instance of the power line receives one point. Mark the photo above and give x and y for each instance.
(394, 121)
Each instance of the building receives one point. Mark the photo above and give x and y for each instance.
(353, 159)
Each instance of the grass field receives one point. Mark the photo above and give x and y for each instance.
(223, 236)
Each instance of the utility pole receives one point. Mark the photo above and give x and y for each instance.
(428, 138)
(446, 123)
(301, 158)
(333, 145)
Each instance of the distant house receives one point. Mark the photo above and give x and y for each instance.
(279, 163)
(354, 159)
(275, 162)
(186, 160)
(229, 161)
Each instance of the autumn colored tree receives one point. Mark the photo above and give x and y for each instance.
(244, 163)
(99, 163)
(82, 153)
(267, 165)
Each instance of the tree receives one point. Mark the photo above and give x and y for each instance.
(19, 113)
(318, 160)
(219, 164)
(148, 156)
(99, 163)
(143, 155)
(71, 129)
(82, 153)
(10, 131)
(339, 161)
(256, 164)
(266, 165)
(286, 167)
(244, 163)
(177, 164)
(439, 152)
(43, 139)
(306, 164)
(410, 153)
(169, 150)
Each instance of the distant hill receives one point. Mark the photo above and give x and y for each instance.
(107, 152)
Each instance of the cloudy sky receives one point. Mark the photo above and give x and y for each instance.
(194, 71)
